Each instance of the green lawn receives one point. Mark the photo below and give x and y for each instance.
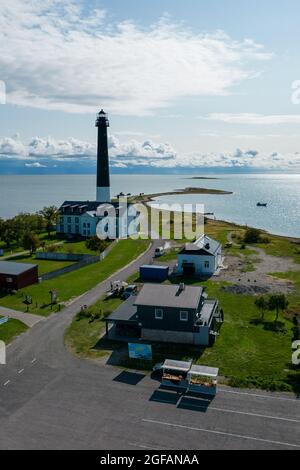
(280, 246)
(82, 335)
(75, 247)
(14, 248)
(78, 282)
(248, 354)
(11, 329)
(45, 266)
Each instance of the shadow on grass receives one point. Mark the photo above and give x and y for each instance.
(189, 281)
(275, 326)
(118, 354)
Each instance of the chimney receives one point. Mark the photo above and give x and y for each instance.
(181, 287)
(103, 178)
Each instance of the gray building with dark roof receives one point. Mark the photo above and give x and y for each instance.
(168, 313)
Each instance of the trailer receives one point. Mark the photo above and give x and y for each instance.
(175, 374)
(202, 380)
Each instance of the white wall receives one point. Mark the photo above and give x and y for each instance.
(199, 262)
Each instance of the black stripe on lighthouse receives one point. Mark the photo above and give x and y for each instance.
(103, 177)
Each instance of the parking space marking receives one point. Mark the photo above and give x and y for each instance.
(145, 446)
(33, 361)
(222, 433)
(6, 383)
(20, 371)
(257, 395)
(246, 413)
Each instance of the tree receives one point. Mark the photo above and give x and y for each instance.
(277, 303)
(8, 232)
(50, 215)
(31, 242)
(252, 235)
(96, 244)
(262, 304)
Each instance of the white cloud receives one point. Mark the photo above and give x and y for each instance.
(255, 119)
(54, 56)
(48, 152)
(35, 165)
(12, 146)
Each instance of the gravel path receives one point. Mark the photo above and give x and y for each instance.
(260, 280)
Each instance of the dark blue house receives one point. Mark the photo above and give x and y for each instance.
(169, 313)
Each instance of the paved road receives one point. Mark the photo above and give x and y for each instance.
(28, 318)
(52, 400)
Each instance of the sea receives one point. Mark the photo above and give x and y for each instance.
(281, 192)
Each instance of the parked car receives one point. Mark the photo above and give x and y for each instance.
(160, 251)
(129, 291)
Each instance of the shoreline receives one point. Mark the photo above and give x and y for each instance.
(178, 192)
(238, 226)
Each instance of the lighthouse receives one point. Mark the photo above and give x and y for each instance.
(103, 178)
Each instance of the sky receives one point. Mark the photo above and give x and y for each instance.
(188, 86)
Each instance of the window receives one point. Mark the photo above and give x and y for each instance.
(69, 229)
(77, 228)
(84, 224)
(159, 314)
(184, 316)
(206, 265)
(76, 220)
(61, 220)
(69, 220)
(62, 229)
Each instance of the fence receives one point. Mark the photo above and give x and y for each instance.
(80, 261)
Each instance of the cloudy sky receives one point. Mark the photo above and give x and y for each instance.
(187, 85)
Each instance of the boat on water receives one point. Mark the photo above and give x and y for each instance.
(262, 204)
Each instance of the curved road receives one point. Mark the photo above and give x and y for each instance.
(52, 400)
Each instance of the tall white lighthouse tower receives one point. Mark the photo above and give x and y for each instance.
(103, 178)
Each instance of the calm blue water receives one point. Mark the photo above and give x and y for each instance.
(281, 192)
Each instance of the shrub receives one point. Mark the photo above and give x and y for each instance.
(252, 235)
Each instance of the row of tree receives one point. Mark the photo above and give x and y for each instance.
(274, 303)
(24, 227)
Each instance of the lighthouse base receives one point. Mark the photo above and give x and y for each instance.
(103, 195)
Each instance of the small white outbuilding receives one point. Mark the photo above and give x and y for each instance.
(203, 257)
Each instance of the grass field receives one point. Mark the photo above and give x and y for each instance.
(83, 335)
(14, 248)
(11, 329)
(75, 247)
(78, 282)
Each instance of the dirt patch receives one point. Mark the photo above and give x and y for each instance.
(251, 274)
(246, 290)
